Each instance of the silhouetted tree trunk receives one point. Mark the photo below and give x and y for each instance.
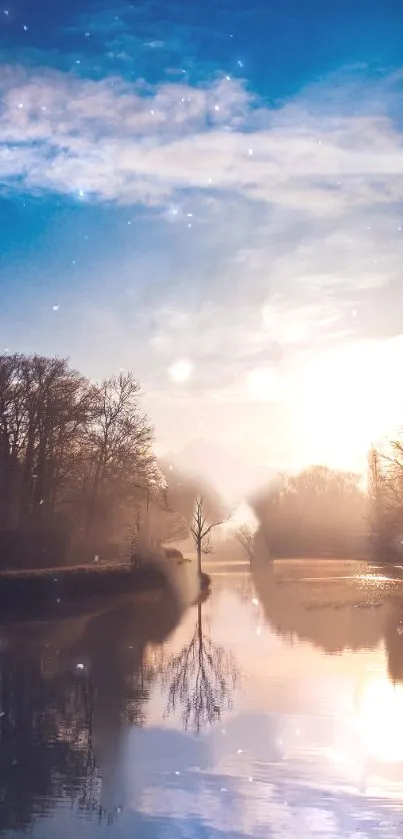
(201, 527)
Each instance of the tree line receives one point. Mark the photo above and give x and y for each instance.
(319, 511)
(322, 511)
(79, 478)
(75, 456)
(77, 462)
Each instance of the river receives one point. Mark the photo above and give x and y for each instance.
(274, 709)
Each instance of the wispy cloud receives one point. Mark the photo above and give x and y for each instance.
(110, 140)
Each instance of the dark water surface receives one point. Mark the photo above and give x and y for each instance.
(274, 709)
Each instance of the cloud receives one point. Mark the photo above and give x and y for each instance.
(268, 260)
(130, 143)
(239, 352)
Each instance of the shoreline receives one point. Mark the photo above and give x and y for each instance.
(71, 590)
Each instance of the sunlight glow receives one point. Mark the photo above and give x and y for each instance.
(380, 719)
(347, 399)
(180, 371)
(263, 384)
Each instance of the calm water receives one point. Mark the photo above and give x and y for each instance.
(275, 709)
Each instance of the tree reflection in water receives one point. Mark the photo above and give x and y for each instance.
(66, 690)
(357, 611)
(200, 680)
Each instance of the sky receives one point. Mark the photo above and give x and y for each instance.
(211, 195)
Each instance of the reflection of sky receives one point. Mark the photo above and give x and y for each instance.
(312, 747)
(310, 740)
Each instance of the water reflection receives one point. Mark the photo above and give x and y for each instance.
(272, 709)
(337, 612)
(200, 679)
(66, 692)
(344, 608)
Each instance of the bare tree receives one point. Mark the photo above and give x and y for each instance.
(119, 464)
(11, 435)
(385, 491)
(203, 522)
(245, 535)
(201, 680)
(42, 406)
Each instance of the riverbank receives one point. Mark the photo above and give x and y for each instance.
(68, 590)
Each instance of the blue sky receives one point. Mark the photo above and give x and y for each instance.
(213, 194)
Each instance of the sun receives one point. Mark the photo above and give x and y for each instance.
(347, 400)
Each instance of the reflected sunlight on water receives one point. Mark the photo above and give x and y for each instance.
(271, 710)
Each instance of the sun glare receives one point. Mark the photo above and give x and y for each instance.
(263, 384)
(348, 399)
(380, 713)
(180, 371)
